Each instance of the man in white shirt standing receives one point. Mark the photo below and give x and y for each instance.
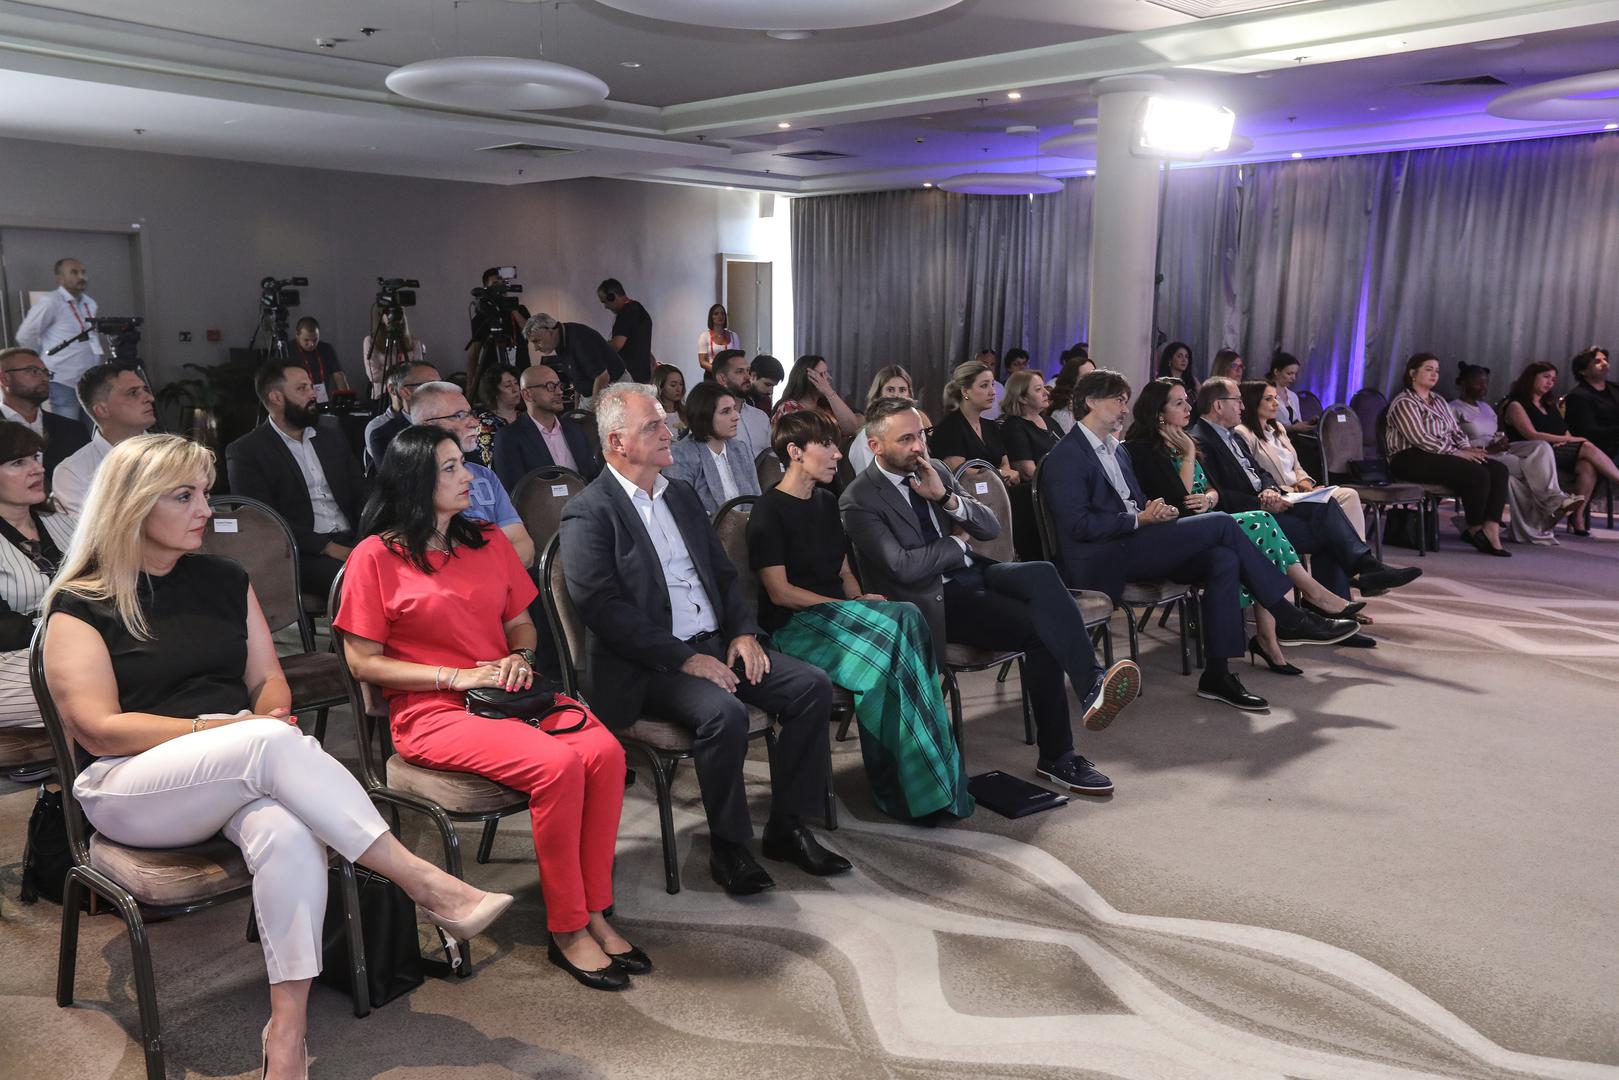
(117, 400)
(62, 316)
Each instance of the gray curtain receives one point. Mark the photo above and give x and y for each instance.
(1498, 254)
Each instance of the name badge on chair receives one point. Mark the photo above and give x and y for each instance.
(225, 525)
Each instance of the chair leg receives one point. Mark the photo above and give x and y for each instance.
(359, 989)
(1146, 617)
(487, 844)
(320, 726)
(661, 777)
(67, 960)
(1377, 531)
(1422, 527)
(145, 986)
(1028, 716)
(1107, 644)
(955, 707)
(831, 796)
(1186, 644)
(843, 728)
(1006, 669)
(1163, 619)
(1135, 639)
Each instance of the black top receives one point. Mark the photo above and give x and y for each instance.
(582, 355)
(1594, 415)
(196, 659)
(803, 535)
(1156, 472)
(1025, 441)
(321, 363)
(1545, 421)
(634, 325)
(954, 437)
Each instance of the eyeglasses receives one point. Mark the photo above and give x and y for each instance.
(35, 370)
(460, 416)
(1237, 397)
(553, 386)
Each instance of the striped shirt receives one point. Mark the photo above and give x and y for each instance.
(1430, 426)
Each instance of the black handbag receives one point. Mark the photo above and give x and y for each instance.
(1402, 528)
(394, 963)
(1372, 472)
(532, 706)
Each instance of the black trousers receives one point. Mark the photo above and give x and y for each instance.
(1321, 531)
(1481, 485)
(1025, 606)
(798, 694)
(316, 572)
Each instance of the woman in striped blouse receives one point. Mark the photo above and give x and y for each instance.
(1425, 444)
(35, 535)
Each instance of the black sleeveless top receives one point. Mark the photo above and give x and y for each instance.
(196, 660)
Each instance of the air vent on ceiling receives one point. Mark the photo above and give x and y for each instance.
(1447, 87)
(815, 155)
(1213, 9)
(533, 150)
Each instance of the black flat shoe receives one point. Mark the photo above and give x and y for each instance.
(1255, 649)
(1228, 690)
(735, 871)
(799, 847)
(1359, 641)
(1351, 609)
(1380, 579)
(611, 977)
(634, 962)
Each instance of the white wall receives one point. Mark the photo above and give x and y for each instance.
(209, 230)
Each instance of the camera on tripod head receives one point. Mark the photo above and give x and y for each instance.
(122, 332)
(396, 292)
(495, 303)
(275, 296)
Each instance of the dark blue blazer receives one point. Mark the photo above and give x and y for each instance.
(519, 450)
(1091, 524)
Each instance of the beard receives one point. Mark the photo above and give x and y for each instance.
(303, 416)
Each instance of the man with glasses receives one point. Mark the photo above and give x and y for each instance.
(543, 437)
(298, 464)
(402, 381)
(443, 405)
(25, 385)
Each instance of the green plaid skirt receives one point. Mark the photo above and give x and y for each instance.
(882, 653)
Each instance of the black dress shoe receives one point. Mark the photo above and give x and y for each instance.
(735, 871)
(1295, 627)
(1359, 641)
(611, 977)
(799, 847)
(634, 962)
(1350, 610)
(1228, 689)
(1380, 579)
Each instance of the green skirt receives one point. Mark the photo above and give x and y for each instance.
(882, 653)
(1260, 527)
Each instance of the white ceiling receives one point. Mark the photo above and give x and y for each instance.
(907, 102)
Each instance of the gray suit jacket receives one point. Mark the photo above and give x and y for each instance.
(894, 558)
(695, 465)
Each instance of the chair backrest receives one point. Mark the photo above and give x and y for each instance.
(769, 468)
(539, 498)
(846, 474)
(731, 526)
(260, 541)
(1341, 441)
(1309, 406)
(567, 627)
(365, 702)
(1042, 515)
(983, 482)
(587, 420)
(1382, 443)
(1366, 404)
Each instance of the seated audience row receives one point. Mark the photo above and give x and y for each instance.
(1534, 493)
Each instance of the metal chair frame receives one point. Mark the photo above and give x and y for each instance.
(81, 876)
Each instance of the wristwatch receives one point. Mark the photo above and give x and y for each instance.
(528, 657)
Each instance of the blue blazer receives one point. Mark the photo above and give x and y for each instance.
(519, 450)
(1091, 524)
(695, 465)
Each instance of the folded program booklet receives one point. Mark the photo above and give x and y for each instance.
(1011, 796)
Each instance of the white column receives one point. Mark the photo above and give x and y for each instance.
(1124, 233)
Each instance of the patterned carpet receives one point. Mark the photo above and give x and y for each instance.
(1406, 869)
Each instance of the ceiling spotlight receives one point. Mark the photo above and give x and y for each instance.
(927, 183)
(784, 125)
(1179, 130)
(1610, 127)
(1296, 154)
(789, 35)
(629, 63)
(1090, 172)
(1016, 95)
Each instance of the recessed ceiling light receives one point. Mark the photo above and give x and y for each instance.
(1090, 172)
(1374, 108)
(1296, 154)
(927, 183)
(1498, 46)
(1264, 74)
(629, 63)
(1016, 95)
(1610, 127)
(1022, 129)
(789, 35)
(784, 125)
(728, 187)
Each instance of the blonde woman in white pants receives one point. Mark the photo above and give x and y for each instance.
(163, 669)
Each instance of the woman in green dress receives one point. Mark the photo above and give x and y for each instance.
(1164, 458)
(881, 651)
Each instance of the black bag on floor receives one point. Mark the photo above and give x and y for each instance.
(1402, 527)
(394, 964)
(45, 856)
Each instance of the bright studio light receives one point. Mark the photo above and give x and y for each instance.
(1182, 130)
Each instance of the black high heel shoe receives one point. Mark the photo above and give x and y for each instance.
(1255, 649)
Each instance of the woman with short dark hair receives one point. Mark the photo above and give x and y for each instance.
(435, 604)
(1061, 411)
(717, 466)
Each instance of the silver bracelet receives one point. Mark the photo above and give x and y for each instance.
(438, 672)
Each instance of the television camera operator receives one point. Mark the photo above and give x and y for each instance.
(497, 323)
(389, 341)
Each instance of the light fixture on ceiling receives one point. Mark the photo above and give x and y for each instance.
(927, 183)
(1177, 130)
(1498, 46)
(1610, 127)
(1001, 183)
(1573, 98)
(629, 63)
(1090, 172)
(789, 35)
(1295, 155)
(1015, 95)
(775, 15)
(784, 125)
(497, 82)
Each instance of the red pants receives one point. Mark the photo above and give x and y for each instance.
(575, 786)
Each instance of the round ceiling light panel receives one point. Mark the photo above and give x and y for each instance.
(1001, 183)
(1561, 99)
(775, 15)
(497, 82)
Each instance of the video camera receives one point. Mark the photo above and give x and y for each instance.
(396, 293)
(275, 296)
(122, 332)
(495, 303)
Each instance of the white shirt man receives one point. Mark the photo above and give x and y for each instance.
(58, 317)
(753, 425)
(122, 407)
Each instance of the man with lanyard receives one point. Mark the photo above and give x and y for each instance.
(319, 359)
(62, 316)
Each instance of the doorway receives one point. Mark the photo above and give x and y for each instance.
(27, 259)
(746, 292)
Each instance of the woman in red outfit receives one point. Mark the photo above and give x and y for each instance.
(435, 604)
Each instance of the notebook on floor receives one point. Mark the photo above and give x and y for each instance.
(1011, 796)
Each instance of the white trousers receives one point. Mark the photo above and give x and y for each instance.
(273, 792)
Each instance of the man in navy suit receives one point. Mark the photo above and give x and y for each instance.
(1107, 533)
(542, 437)
(1317, 529)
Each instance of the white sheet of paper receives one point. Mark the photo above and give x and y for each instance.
(1319, 495)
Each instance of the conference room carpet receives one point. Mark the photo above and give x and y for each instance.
(1407, 869)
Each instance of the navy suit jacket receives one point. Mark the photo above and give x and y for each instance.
(520, 449)
(1091, 523)
(1225, 473)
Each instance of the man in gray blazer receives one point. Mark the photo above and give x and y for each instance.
(712, 458)
(907, 518)
(669, 633)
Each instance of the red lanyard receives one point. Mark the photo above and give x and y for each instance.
(73, 306)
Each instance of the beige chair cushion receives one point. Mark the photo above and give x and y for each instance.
(663, 735)
(966, 656)
(1390, 493)
(1094, 607)
(23, 746)
(314, 679)
(161, 877)
(1143, 593)
(457, 792)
